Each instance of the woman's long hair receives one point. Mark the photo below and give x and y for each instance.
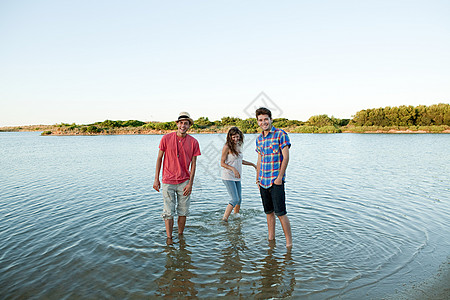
(232, 131)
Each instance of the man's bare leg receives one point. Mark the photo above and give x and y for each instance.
(237, 208)
(286, 225)
(271, 225)
(169, 227)
(181, 224)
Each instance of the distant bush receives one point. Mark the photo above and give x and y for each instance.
(329, 129)
(228, 121)
(166, 126)
(92, 129)
(362, 129)
(46, 132)
(149, 125)
(108, 124)
(434, 129)
(133, 123)
(203, 122)
(306, 129)
(248, 125)
(320, 121)
(283, 123)
(437, 114)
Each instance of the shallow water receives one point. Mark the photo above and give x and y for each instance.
(79, 219)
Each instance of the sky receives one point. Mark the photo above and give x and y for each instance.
(91, 60)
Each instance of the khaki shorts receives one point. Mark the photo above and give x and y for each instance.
(174, 199)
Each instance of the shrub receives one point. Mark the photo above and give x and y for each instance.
(203, 122)
(133, 123)
(329, 129)
(433, 129)
(166, 126)
(320, 121)
(149, 125)
(306, 129)
(92, 129)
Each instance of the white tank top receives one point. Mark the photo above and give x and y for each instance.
(233, 161)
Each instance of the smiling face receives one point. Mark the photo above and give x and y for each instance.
(236, 138)
(183, 127)
(265, 122)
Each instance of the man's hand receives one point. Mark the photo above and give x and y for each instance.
(278, 181)
(156, 185)
(187, 189)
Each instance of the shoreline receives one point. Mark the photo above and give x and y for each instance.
(46, 132)
(142, 128)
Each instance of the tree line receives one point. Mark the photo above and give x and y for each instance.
(433, 115)
(433, 118)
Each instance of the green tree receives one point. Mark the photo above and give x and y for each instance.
(423, 117)
(283, 123)
(203, 122)
(406, 115)
(359, 119)
(109, 124)
(133, 123)
(320, 121)
(166, 126)
(248, 125)
(229, 121)
(149, 125)
(440, 114)
(92, 129)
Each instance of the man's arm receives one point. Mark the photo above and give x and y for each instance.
(156, 183)
(284, 164)
(188, 188)
(258, 167)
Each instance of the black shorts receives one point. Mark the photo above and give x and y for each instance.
(274, 199)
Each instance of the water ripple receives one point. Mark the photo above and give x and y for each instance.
(369, 214)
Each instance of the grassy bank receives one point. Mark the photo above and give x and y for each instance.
(97, 130)
(402, 119)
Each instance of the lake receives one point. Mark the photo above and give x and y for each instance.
(79, 219)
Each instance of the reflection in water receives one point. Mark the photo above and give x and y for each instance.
(177, 276)
(277, 274)
(230, 273)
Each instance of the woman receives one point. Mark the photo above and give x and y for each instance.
(232, 162)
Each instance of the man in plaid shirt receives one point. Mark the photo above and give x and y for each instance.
(273, 146)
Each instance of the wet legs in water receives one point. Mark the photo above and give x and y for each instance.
(169, 226)
(285, 224)
(228, 211)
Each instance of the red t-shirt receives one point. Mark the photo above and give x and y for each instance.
(178, 153)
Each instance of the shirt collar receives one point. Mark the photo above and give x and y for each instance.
(272, 130)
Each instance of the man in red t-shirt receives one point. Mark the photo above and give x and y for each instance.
(179, 150)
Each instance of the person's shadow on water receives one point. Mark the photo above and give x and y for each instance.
(277, 274)
(176, 282)
(230, 273)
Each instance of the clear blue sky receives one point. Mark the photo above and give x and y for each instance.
(85, 61)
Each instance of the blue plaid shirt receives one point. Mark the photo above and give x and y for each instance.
(269, 147)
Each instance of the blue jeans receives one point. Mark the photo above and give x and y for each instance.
(235, 190)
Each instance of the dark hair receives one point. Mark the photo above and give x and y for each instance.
(263, 111)
(232, 131)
